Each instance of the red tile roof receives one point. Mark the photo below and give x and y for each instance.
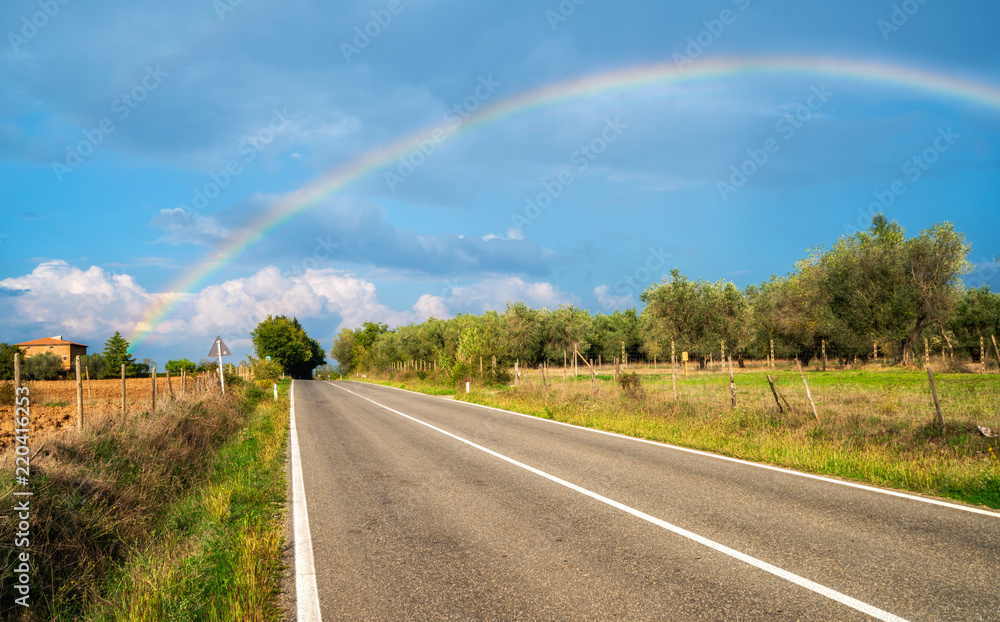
(49, 341)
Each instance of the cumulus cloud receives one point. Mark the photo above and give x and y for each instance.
(66, 299)
(610, 302)
(494, 293)
(84, 304)
(180, 226)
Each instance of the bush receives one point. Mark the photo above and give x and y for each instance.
(631, 385)
(45, 366)
(176, 365)
(93, 364)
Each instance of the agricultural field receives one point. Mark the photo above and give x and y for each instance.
(53, 402)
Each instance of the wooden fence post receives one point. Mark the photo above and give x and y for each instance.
(996, 351)
(673, 369)
(824, 354)
(170, 385)
(17, 373)
(772, 355)
(593, 377)
(79, 395)
(937, 405)
(808, 392)
(982, 353)
(183, 381)
(123, 390)
(732, 384)
(152, 409)
(927, 352)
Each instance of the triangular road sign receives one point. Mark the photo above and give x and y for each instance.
(219, 348)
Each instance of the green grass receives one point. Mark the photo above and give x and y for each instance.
(174, 516)
(221, 556)
(875, 426)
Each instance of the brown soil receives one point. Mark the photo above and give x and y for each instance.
(53, 402)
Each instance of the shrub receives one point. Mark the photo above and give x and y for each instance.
(45, 366)
(631, 385)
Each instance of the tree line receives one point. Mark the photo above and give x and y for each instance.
(876, 290)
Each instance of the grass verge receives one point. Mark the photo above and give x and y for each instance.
(172, 516)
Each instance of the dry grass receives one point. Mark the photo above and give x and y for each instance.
(99, 495)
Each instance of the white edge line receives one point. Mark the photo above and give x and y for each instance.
(822, 590)
(306, 594)
(821, 478)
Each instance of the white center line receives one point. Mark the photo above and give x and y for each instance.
(843, 599)
(306, 594)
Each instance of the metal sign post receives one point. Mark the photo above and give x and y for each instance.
(220, 350)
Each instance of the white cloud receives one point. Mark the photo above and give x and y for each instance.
(67, 300)
(609, 302)
(495, 293)
(180, 226)
(92, 303)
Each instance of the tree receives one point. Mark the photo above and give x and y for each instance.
(116, 354)
(878, 286)
(7, 352)
(93, 364)
(342, 350)
(45, 366)
(977, 314)
(696, 315)
(364, 339)
(288, 345)
(175, 366)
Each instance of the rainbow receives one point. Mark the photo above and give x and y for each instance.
(946, 86)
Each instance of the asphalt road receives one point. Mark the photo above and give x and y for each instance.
(422, 508)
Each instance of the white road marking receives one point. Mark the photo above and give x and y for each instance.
(822, 590)
(829, 480)
(306, 594)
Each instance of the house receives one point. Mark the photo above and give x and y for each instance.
(66, 350)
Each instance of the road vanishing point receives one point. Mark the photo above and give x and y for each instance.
(417, 507)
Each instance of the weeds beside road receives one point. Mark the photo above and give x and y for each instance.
(176, 515)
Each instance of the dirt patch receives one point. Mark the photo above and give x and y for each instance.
(53, 402)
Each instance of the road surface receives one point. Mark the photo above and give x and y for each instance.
(423, 508)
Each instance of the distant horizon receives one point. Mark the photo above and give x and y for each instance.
(182, 174)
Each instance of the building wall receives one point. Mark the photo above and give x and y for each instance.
(65, 352)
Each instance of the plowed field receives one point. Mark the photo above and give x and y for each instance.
(53, 402)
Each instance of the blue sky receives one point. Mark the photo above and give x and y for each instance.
(119, 119)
